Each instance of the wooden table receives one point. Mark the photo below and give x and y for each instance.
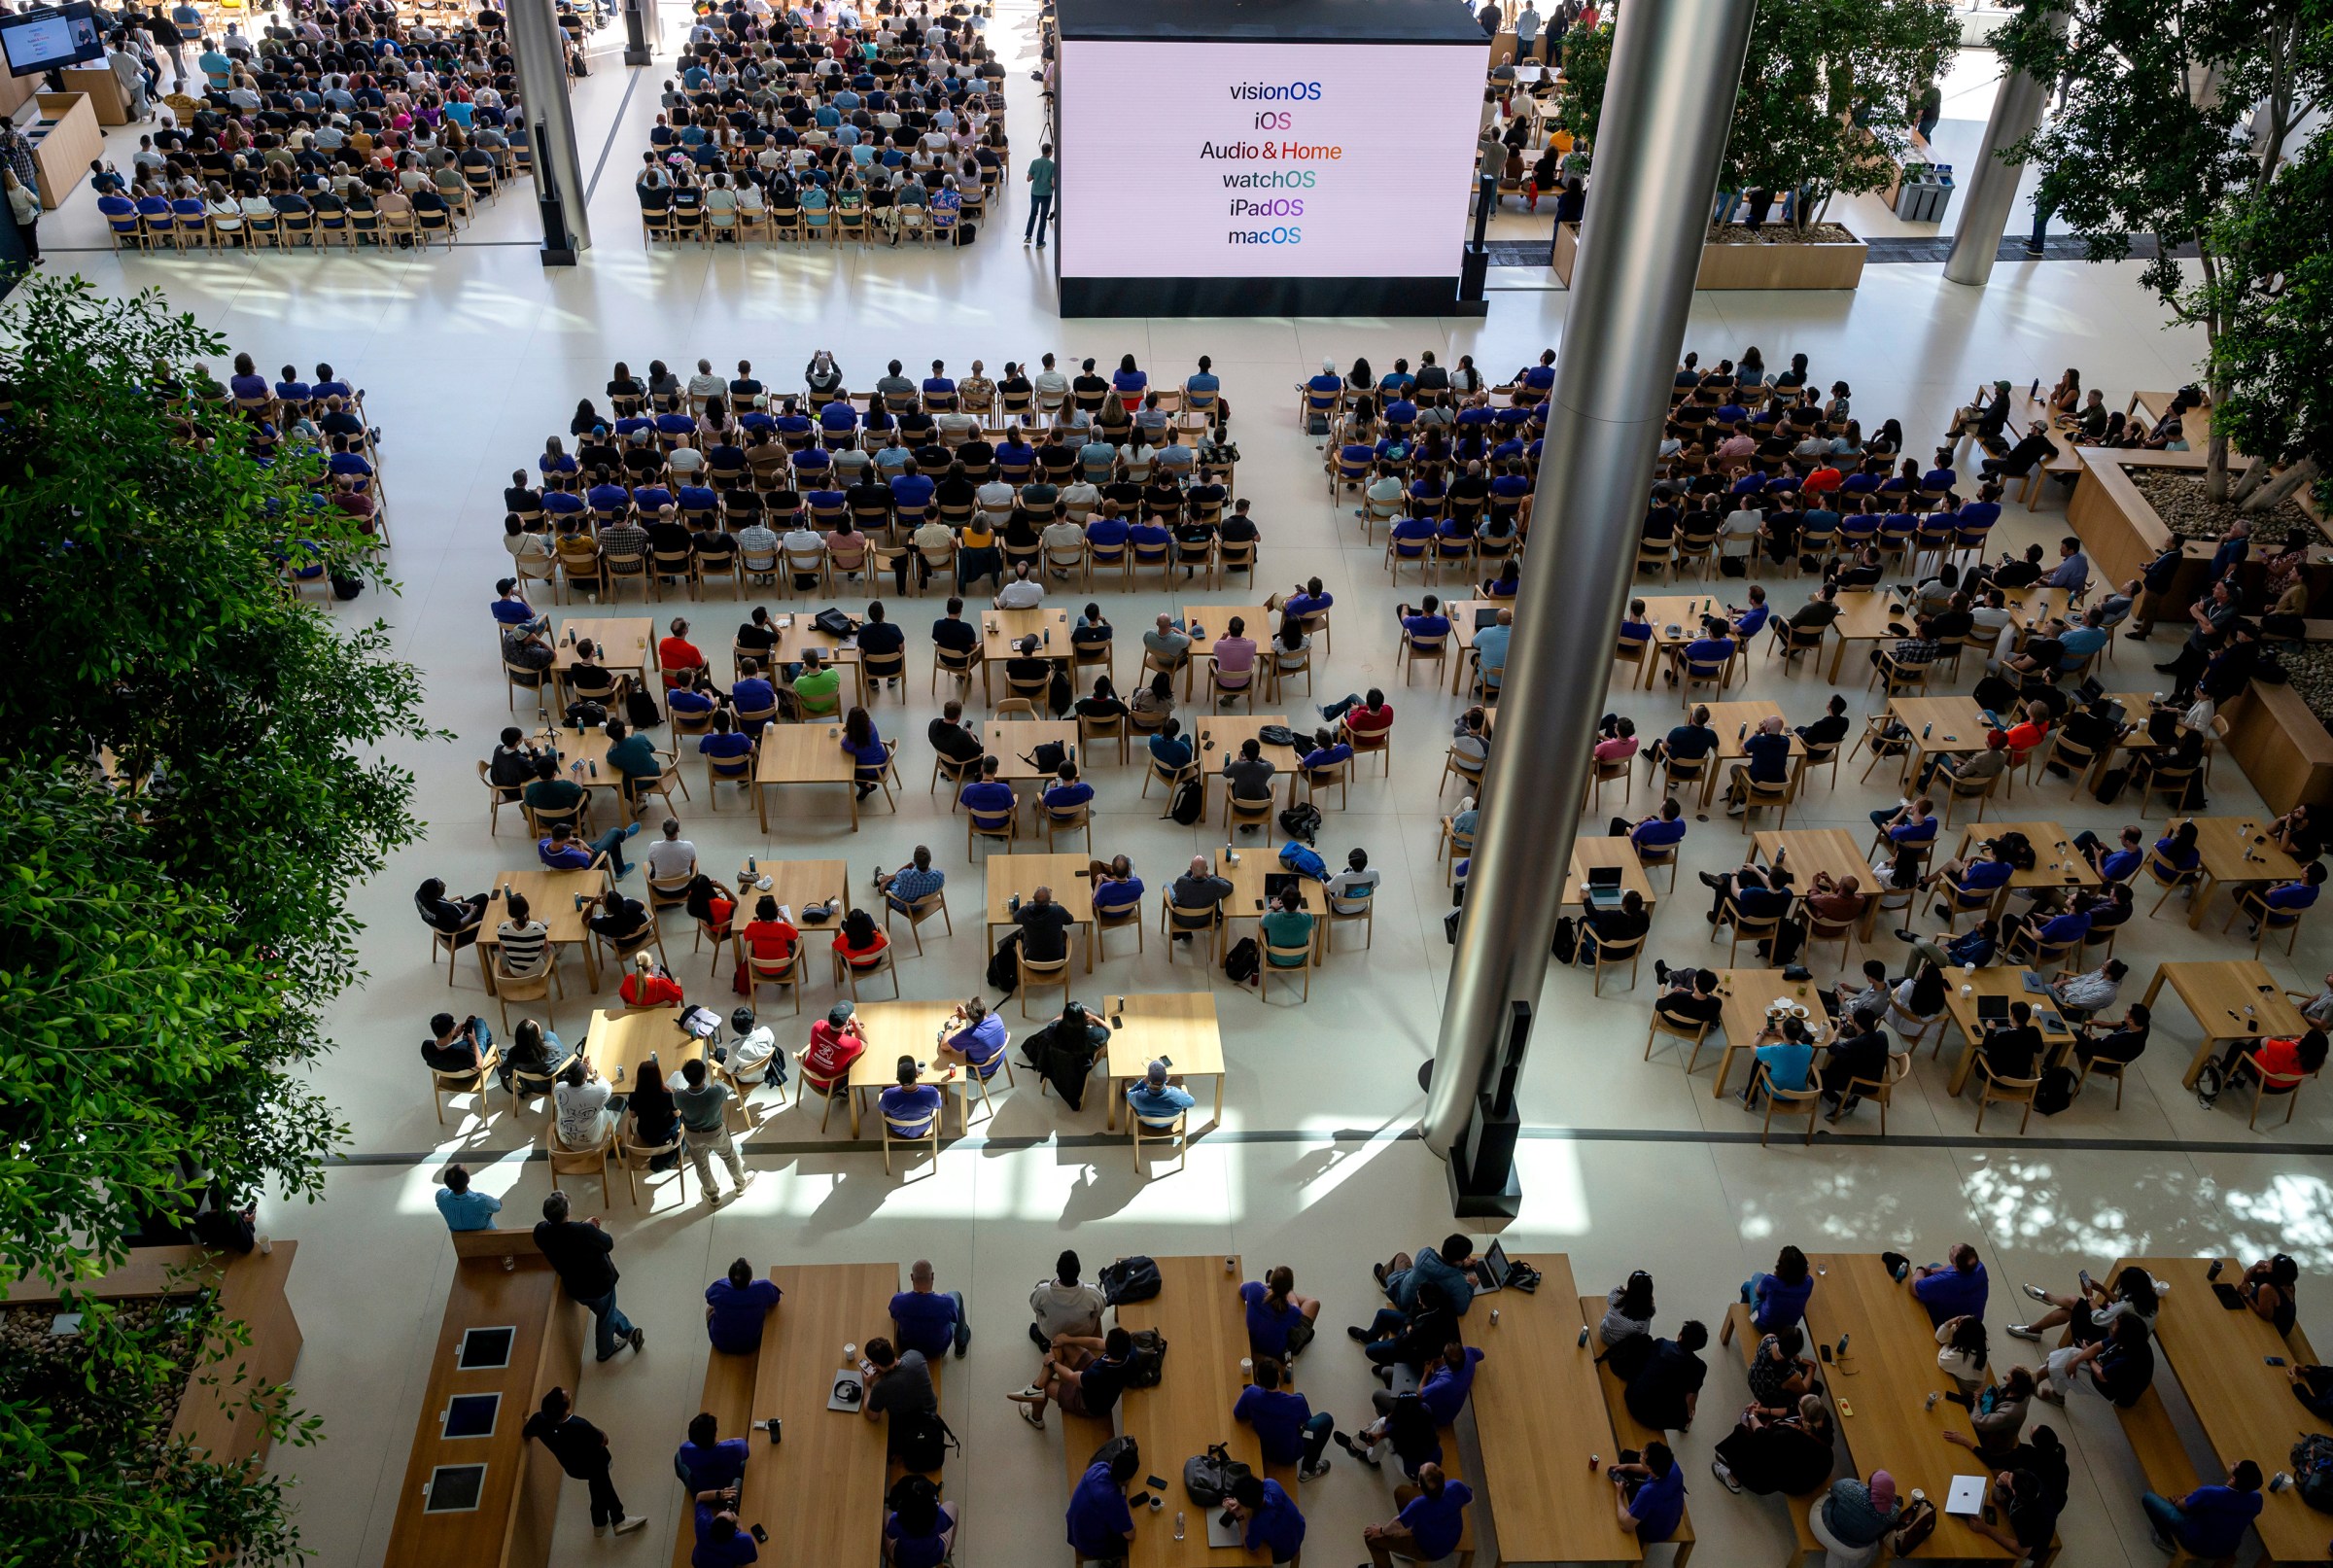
(1012, 741)
(1832, 850)
(795, 883)
(1217, 618)
(584, 757)
(626, 644)
(2001, 980)
(1599, 850)
(1176, 1027)
(1680, 610)
(1870, 615)
(1735, 722)
(832, 1456)
(1248, 901)
(2225, 843)
(1220, 732)
(1000, 629)
(1020, 876)
(1746, 994)
(1199, 1314)
(622, 1040)
(550, 897)
(518, 1501)
(2242, 1404)
(2057, 864)
(803, 755)
(1462, 632)
(1952, 726)
(2227, 996)
(1880, 1393)
(895, 1030)
(796, 632)
(1540, 1416)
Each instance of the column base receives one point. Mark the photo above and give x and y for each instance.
(553, 255)
(639, 57)
(1480, 1203)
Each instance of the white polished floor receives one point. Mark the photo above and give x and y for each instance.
(468, 359)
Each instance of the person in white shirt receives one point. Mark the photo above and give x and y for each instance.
(704, 384)
(672, 857)
(1063, 1307)
(583, 1100)
(757, 1048)
(1024, 592)
(1062, 539)
(1052, 387)
(1356, 881)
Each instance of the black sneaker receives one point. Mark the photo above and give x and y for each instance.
(1357, 1333)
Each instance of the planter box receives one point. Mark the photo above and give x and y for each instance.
(1832, 265)
(2281, 748)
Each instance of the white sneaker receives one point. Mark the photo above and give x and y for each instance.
(635, 1523)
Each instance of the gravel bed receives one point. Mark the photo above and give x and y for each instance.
(38, 1368)
(2179, 499)
(1783, 234)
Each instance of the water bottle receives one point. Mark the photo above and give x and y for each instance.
(1926, 728)
(1178, 1524)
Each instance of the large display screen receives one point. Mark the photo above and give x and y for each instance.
(1300, 159)
(50, 40)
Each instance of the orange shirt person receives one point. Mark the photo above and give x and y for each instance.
(677, 656)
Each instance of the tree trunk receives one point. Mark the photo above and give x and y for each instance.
(2255, 472)
(2215, 464)
(2272, 494)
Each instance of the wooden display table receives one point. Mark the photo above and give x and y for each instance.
(1199, 1314)
(63, 143)
(1178, 1027)
(501, 1281)
(103, 90)
(251, 1292)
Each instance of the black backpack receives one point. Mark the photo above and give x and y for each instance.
(2312, 1463)
(1213, 1476)
(1189, 800)
(641, 709)
(1004, 966)
(1048, 757)
(833, 623)
(1564, 948)
(1111, 1449)
(1788, 937)
(1628, 1357)
(1243, 963)
(1301, 821)
(2055, 1091)
(2109, 786)
(1129, 1280)
(921, 1441)
(1148, 1364)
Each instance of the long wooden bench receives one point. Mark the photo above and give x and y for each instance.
(2162, 1456)
(1739, 1331)
(1631, 1433)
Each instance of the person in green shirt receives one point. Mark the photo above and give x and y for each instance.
(1040, 179)
(1287, 925)
(819, 687)
(634, 756)
(551, 791)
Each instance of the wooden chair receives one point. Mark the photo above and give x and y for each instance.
(1242, 687)
(1744, 927)
(1172, 778)
(1819, 930)
(1245, 810)
(632, 1156)
(1611, 955)
(1958, 789)
(471, 1082)
(1128, 916)
(1299, 969)
(1881, 1091)
(913, 1135)
(1318, 781)
(2261, 1090)
(1757, 794)
(1174, 1134)
(1956, 901)
(792, 971)
(1196, 924)
(1381, 745)
(1068, 818)
(2169, 782)
(2116, 1070)
(2255, 907)
(1362, 912)
(591, 1162)
(1046, 972)
(1990, 1090)
(1417, 650)
(2169, 878)
(850, 971)
(1001, 826)
(1787, 1103)
(934, 902)
(1694, 1038)
(451, 943)
(536, 988)
(1091, 729)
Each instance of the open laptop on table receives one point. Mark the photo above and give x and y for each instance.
(1491, 1268)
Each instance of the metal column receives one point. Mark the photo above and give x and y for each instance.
(1992, 191)
(1676, 65)
(539, 49)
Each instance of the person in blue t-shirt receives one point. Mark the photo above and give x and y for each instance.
(736, 1308)
(988, 794)
(1168, 748)
(720, 1543)
(1425, 621)
(1288, 1430)
(1276, 1315)
(1450, 1378)
(1661, 832)
(1651, 1492)
(1101, 1524)
(710, 1466)
(1263, 1506)
(978, 1036)
(911, 1103)
(1778, 1300)
(1787, 1053)
(928, 1320)
(2209, 1522)
(1956, 1288)
(1428, 1528)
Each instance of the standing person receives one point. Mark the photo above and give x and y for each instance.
(582, 1450)
(702, 1101)
(1040, 177)
(24, 207)
(583, 1255)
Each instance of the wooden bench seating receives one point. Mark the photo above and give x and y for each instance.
(2162, 1456)
(729, 1398)
(1739, 1331)
(1631, 1433)
(1081, 1436)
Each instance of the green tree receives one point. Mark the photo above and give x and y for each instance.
(188, 787)
(1827, 96)
(2177, 116)
(1580, 99)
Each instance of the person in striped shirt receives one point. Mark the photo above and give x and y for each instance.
(524, 941)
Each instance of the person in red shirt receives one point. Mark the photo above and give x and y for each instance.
(677, 655)
(834, 1044)
(2285, 1060)
(860, 940)
(1367, 719)
(647, 985)
(2027, 733)
(1823, 480)
(765, 938)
